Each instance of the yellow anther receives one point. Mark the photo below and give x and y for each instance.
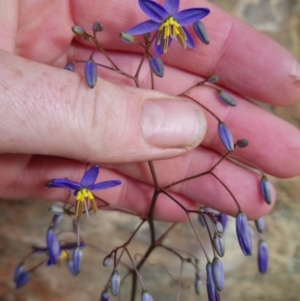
(80, 197)
(63, 255)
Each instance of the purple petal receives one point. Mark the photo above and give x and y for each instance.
(172, 6)
(63, 183)
(159, 49)
(154, 10)
(53, 245)
(190, 41)
(105, 185)
(143, 27)
(90, 176)
(191, 15)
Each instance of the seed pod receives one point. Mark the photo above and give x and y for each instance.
(127, 38)
(97, 27)
(146, 296)
(70, 66)
(260, 224)
(225, 136)
(157, 66)
(242, 143)
(266, 189)
(78, 30)
(77, 259)
(243, 233)
(226, 98)
(23, 279)
(262, 256)
(91, 73)
(115, 283)
(218, 243)
(201, 32)
(218, 273)
(53, 245)
(213, 78)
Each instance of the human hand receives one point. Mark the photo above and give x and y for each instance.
(50, 112)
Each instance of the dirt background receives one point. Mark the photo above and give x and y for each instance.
(23, 224)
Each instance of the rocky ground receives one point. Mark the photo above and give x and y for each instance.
(23, 224)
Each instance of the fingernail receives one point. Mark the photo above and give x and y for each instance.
(172, 123)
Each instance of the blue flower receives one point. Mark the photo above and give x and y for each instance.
(82, 190)
(168, 22)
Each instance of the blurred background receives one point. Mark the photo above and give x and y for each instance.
(23, 224)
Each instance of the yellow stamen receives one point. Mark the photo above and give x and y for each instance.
(171, 29)
(85, 198)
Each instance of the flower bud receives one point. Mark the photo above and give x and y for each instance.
(70, 66)
(19, 270)
(198, 282)
(243, 233)
(127, 38)
(219, 227)
(266, 189)
(226, 98)
(213, 78)
(57, 209)
(262, 256)
(260, 224)
(201, 221)
(157, 66)
(242, 143)
(105, 296)
(53, 245)
(146, 296)
(218, 273)
(97, 27)
(78, 30)
(107, 261)
(71, 267)
(91, 73)
(225, 136)
(23, 279)
(56, 220)
(218, 243)
(77, 259)
(115, 283)
(201, 32)
(210, 285)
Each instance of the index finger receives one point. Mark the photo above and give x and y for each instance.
(247, 61)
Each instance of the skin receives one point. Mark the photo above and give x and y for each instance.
(52, 123)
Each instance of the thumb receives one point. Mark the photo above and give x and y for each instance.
(49, 111)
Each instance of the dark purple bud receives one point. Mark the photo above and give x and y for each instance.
(115, 283)
(70, 66)
(225, 136)
(157, 66)
(53, 245)
(107, 261)
(213, 78)
(260, 224)
(218, 243)
(105, 296)
(210, 285)
(77, 259)
(242, 143)
(72, 268)
(201, 32)
(262, 256)
(127, 38)
(226, 98)
(19, 270)
(97, 27)
(218, 273)
(266, 189)
(78, 30)
(146, 296)
(91, 73)
(23, 279)
(223, 219)
(243, 233)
